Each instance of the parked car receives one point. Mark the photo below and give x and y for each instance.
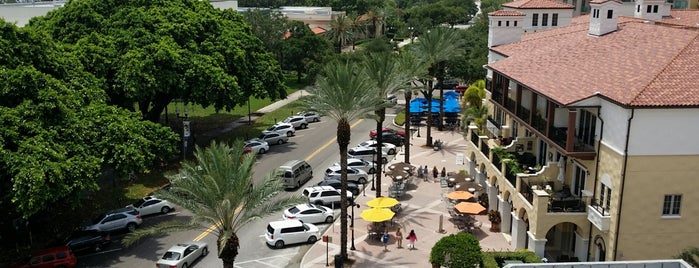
(152, 205)
(272, 138)
(365, 153)
(368, 167)
(89, 240)
(336, 183)
(309, 213)
(294, 173)
(123, 218)
(258, 146)
(297, 121)
(387, 148)
(392, 98)
(353, 174)
(372, 133)
(310, 116)
(286, 232)
(183, 255)
(323, 195)
(51, 257)
(392, 138)
(282, 129)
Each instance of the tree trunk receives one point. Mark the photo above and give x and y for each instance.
(343, 139)
(408, 116)
(160, 101)
(228, 254)
(440, 125)
(381, 113)
(428, 96)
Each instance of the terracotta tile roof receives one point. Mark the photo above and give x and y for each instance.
(318, 30)
(507, 13)
(688, 18)
(604, 1)
(638, 65)
(537, 4)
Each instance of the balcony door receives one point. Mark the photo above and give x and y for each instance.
(579, 176)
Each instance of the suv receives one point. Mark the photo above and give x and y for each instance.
(323, 195)
(310, 116)
(280, 233)
(88, 240)
(123, 218)
(281, 129)
(366, 153)
(335, 183)
(297, 121)
(52, 257)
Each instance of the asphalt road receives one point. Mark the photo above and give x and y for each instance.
(317, 145)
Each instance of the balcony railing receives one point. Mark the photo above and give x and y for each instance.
(526, 190)
(559, 135)
(603, 209)
(496, 162)
(496, 123)
(539, 123)
(485, 149)
(523, 113)
(512, 178)
(474, 137)
(569, 204)
(497, 96)
(510, 105)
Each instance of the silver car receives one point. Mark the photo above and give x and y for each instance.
(123, 218)
(273, 138)
(297, 121)
(152, 205)
(183, 255)
(353, 174)
(281, 128)
(310, 116)
(258, 146)
(361, 164)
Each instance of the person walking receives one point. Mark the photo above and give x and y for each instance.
(399, 238)
(384, 239)
(419, 173)
(435, 172)
(412, 238)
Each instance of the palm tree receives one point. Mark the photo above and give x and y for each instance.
(218, 189)
(358, 28)
(475, 93)
(434, 49)
(412, 70)
(375, 17)
(340, 31)
(344, 94)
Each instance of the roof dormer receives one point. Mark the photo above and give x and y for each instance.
(604, 16)
(504, 27)
(649, 9)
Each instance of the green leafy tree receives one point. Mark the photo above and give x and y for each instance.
(219, 191)
(475, 94)
(457, 250)
(303, 50)
(690, 255)
(434, 49)
(269, 26)
(344, 94)
(153, 52)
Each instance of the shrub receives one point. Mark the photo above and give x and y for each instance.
(496, 259)
(462, 249)
(400, 118)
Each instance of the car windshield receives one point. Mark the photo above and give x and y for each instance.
(271, 128)
(287, 120)
(171, 256)
(294, 210)
(98, 219)
(139, 203)
(262, 137)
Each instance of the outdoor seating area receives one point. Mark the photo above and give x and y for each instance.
(402, 175)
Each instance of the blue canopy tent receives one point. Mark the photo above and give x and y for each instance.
(452, 94)
(451, 105)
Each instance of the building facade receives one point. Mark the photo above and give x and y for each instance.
(589, 152)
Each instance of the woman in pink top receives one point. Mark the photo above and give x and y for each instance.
(412, 238)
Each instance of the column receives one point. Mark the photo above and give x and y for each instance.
(581, 247)
(537, 246)
(472, 166)
(519, 232)
(492, 197)
(480, 178)
(505, 212)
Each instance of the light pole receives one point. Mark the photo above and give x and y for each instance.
(185, 130)
(410, 28)
(352, 224)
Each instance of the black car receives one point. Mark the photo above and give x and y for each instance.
(392, 138)
(88, 240)
(351, 187)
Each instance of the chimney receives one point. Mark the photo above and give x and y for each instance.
(650, 9)
(604, 16)
(505, 26)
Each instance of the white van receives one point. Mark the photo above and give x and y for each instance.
(295, 173)
(286, 232)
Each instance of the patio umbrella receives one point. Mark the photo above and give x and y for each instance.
(377, 214)
(459, 195)
(382, 202)
(469, 208)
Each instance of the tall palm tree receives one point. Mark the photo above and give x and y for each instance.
(344, 94)
(340, 31)
(375, 18)
(358, 28)
(434, 49)
(412, 70)
(218, 189)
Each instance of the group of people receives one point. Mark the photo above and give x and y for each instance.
(423, 172)
(399, 239)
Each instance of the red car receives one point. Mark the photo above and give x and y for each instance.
(51, 257)
(372, 133)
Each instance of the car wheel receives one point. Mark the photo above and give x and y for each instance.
(362, 180)
(131, 227)
(280, 142)
(312, 239)
(304, 126)
(165, 210)
(384, 160)
(261, 151)
(279, 244)
(329, 219)
(298, 185)
(98, 247)
(391, 151)
(372, 171)
(289, 134)
(205, 252)
(316, 119)
(185, 265)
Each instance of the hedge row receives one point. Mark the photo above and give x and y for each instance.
(496, 259)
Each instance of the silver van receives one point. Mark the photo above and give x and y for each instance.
(295, 172)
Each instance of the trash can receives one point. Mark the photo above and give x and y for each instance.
(338, 261)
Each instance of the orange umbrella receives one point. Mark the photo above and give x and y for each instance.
(460, 195)
(469, 208)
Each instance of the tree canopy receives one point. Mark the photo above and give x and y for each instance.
(154, 52)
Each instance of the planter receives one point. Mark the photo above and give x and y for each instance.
(495, 227)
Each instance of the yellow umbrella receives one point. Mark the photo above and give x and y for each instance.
(459, 195)
(382, 202)
(469, 208)
(377, 214)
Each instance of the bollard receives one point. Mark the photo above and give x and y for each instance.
(338, 261)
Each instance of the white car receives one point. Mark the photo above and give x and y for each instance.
(387, 147)
(281, 129)
(280, 233)
(258, 146)
(309, 213)
(297, 121)
(354, 175)
(183, 255)
(324, 195)
(152, 205)
(272, 138)
(310, 116)
(361, 164)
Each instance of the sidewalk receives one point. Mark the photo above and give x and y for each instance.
(423, 204)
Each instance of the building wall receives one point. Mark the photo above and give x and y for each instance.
(615, 120)
(610, 165)
(664, 132)
(564, 17)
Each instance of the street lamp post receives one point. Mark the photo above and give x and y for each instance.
(410, 28)
(352, 224)
(185, 130)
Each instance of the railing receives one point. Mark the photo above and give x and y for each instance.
(496, 123)
(559, 135)
(523, 113)
(496, 161)
(485, 149)
(570, 204)
(526, 190)
(497, 96)
(474, 138)
(512, 178)
(510, 105)
(539, 123)
(602, 209)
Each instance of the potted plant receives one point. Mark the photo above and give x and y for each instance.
(495, 219)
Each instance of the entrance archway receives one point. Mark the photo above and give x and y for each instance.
(600, 249)
(561, 241)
